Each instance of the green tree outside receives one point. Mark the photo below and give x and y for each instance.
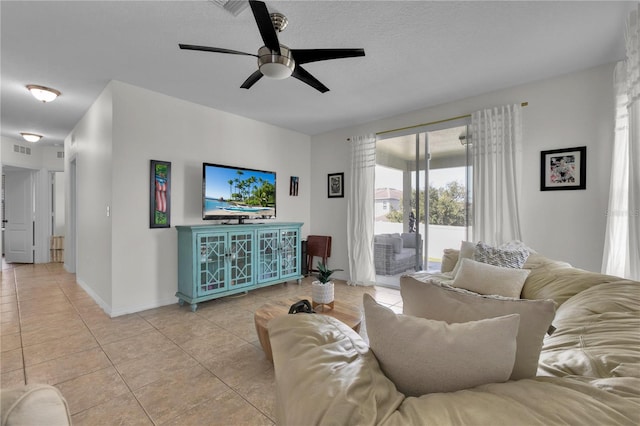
(446, 206)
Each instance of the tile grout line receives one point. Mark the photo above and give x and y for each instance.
(24, 364)
(249, 308)
(106, 355)
(211, 372)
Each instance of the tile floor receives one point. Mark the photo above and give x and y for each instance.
(161, 366)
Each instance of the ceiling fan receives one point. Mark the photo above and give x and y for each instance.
(276, 60)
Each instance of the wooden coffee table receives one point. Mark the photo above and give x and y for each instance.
(348, 314)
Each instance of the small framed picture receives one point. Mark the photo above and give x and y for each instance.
(294, 181)
(563, 169)
(335, 185)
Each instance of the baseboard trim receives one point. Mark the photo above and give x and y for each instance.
(109, 310)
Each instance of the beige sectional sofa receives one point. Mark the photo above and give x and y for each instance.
(588, 369)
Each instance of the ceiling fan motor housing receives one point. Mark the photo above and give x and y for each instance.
(276, 66)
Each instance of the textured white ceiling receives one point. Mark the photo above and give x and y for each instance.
(418, 54)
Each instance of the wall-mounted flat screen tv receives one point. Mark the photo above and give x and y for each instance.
(237, 193)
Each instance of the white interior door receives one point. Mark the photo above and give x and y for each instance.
(19, 211)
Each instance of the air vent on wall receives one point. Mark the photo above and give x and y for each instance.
(60, 154)
(234, 7)
(22, 149)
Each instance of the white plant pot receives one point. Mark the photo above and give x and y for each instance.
(322, 293)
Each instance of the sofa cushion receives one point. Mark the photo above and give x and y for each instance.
(467, 250)
(409, 240)
(440, 302)
(325, 374)
(36, 404)
(498, 256)
(425, 356)
(598, 334)
(483, 278)
(449, 260)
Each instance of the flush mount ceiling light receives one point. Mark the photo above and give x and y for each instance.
(42, 93)
(31, 137)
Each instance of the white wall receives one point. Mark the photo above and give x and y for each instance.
(50, 160)
(567, 111)
(89, 145)
(41, 157)
(1, 215)
(18, 159)
(148, 126)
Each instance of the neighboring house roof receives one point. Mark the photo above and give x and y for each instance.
(388, 194)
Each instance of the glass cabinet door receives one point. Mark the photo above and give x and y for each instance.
(288, 252)
(268, 246)
(240, 256)
(212, 263)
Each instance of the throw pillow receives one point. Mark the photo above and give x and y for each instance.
(422, 356)
(443, 303)
(467, 250)
(507, 258)
(488, 279)
(449, 260)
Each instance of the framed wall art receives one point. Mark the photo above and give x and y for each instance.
(293, 185)
(563, 169)
(335, 185)
(160, 195)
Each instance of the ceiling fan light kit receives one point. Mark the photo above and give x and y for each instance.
(275, 60)
(42, 93)
(276, 66)
(31, 137)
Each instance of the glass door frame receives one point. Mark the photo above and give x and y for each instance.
(423, 166)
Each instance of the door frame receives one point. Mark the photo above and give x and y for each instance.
(71, 217)
(423, 167)
(30, 219)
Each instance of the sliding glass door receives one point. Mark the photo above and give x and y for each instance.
(422, 199)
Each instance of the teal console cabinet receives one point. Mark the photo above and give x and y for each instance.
(220, 260)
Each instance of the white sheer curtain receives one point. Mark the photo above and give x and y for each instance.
(496, 136)
(622, 238)
(360, 210)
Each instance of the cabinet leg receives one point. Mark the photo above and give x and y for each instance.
(194, 306)
(299, 281)
(180, 302)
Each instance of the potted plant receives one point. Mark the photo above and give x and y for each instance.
(322, 290)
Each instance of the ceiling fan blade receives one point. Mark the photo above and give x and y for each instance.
(268, 33)
(302, 75)
(253, 78)
(303, 56)
(213, 49)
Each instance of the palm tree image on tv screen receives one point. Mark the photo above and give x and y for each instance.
(238, 192)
